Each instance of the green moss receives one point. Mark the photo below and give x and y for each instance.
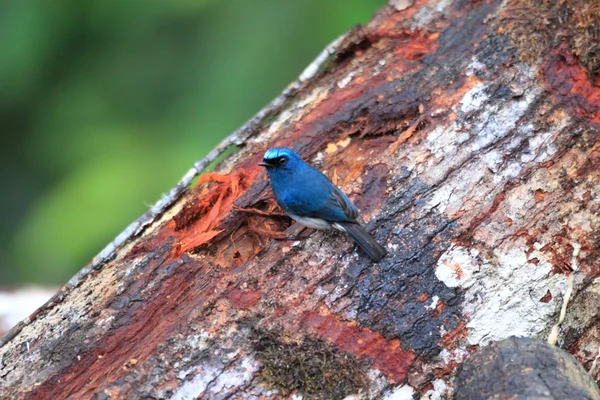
(536, 26)
(311, 367)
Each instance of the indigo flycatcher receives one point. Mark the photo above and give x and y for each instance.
(308, 197)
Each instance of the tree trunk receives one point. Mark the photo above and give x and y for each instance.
(466, 132)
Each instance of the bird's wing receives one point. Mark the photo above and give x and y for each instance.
(315, 196)
(336, 207)
(339, 199)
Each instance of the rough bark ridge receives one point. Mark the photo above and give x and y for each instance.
(523, 369)
(465, 131)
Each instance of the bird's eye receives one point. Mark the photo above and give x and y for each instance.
(282, 161)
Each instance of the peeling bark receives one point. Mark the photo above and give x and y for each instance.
(475, 161)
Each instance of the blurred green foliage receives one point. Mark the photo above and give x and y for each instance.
(105, 104)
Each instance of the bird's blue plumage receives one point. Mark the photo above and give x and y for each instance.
(305, 194)
(302, 190)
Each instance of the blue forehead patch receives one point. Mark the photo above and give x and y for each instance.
(276, 152)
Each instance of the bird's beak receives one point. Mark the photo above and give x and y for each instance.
(263, 164)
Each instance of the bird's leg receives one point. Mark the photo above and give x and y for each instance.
(288, 234)
(278, 235)
(292, 233)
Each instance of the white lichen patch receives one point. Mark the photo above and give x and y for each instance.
(474, 67)
(191, 389)
(493, 160)
(441, 142)
(471, 160)
(498, 121)
(502, 293)
(346, 80)
(377, 384)
(456, 267)
(489, 122)
(427, 13)
(462, 186)
(584, 220)
(434, 303)
(440, 391)
(199, 341)
(512, 170)
(475, 98)
(403, 392)
(458, 355)
(211, 380)
(236, 377)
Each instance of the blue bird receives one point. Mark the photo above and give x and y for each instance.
(308, 197)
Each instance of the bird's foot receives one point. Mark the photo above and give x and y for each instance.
(279, 235)
(293, 237)
(289, 234)
(293, 232)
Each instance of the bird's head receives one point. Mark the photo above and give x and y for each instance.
(281, 160)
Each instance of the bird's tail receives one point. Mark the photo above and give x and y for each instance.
(363, 239)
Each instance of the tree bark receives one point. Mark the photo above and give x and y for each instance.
(523, 369)
(466, 132)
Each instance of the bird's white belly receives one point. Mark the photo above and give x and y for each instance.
(315, 223)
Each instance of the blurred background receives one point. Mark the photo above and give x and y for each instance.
(105, 104)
